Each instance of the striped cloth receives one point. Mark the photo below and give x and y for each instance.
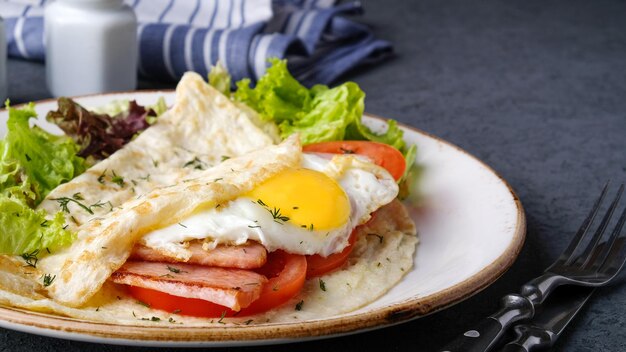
(181, 35)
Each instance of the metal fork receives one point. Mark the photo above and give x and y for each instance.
(595, 265)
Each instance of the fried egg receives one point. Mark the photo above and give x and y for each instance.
(311, 209)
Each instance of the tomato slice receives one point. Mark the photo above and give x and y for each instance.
(178, 305)
(286, 273)
(281, 288)
(381, 154)
(318, 265)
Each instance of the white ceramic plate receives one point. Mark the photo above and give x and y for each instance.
(470, 224)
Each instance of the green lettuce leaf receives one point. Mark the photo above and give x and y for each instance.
(319, 114)
(25, 230)
(32, 163)
(30, 155)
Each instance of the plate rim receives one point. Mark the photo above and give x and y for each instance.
(76, 329)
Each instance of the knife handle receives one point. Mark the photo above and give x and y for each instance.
(528, 339)
(484, 336)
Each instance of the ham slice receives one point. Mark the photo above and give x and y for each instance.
(250, 255)
(232, 288)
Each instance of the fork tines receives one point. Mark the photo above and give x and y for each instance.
(603, 257)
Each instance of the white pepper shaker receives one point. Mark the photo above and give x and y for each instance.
(91, 47)
(3, 65)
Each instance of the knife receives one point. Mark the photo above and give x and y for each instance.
(542, 332)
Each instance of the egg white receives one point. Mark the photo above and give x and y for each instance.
(367, 186)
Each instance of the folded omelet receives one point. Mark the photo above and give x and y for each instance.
(204, 153)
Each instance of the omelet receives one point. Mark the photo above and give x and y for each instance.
(204, 176)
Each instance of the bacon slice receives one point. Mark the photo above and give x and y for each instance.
(233, 288)
(250, 255)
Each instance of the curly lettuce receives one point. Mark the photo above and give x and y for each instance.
(32, 163)
(25, 230)
(318, 114)
(32, 156)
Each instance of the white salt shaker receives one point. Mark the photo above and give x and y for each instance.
(91, 47)
(3, 65)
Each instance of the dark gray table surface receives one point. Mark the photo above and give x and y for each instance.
(536, 89)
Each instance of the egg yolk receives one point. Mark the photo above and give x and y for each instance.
(304, 198)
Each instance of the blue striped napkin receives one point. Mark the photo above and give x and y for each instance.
(181, 35)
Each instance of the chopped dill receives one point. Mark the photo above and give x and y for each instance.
(101, 177)
(196, 164)
(65, 201)
(175, 270)
(118, 180)
(31, 258)
(143, 304)
(299, 305)
(277, 215)
(221, 321)
(322, 285)
(152, 319)
(48, 280)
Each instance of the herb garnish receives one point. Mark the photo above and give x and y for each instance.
(175, 270)
(196, 164)
(101, 177)
(118, 180)
(31, 258)
(278, 216)
(64, 201)
(299, 305)
(48, 279)
(274, 211)
(322, 285)
(225, 157)
(143, 304)
(183, 225)
(152, 319)
(221, 321)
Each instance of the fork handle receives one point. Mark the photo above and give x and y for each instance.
(482, 338)
(529, 338)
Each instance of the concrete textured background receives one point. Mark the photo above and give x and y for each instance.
(536, 89)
